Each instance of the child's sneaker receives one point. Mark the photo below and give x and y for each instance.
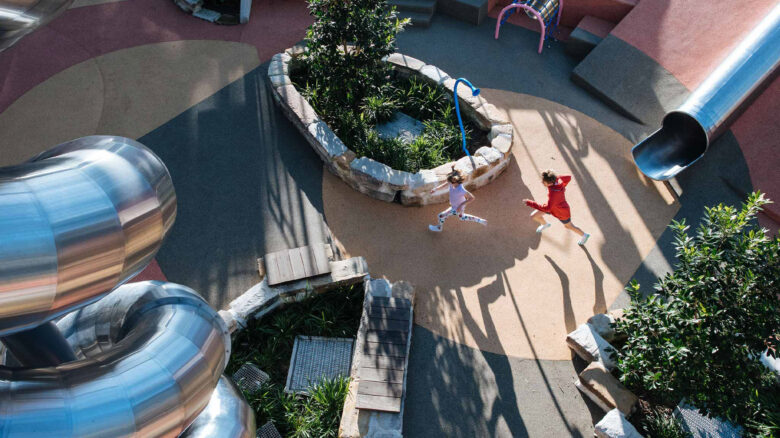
(584, 239)
(435, 228)
(543, 227)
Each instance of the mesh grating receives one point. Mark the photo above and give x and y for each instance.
(315, 358)
(250, 378)
(268, 431)
(700, 426)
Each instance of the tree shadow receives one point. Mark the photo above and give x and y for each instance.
(568, 312)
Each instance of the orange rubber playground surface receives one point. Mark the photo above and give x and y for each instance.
(493, 304)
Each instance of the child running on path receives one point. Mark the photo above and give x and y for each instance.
(459, 197)
(556, 205)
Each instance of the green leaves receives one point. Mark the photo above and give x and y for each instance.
(268, 343)
(700, 335)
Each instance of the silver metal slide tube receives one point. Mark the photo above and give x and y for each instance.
(227, 415)
(687, 132)
(75, 222)
(150, 354)
(20, 17)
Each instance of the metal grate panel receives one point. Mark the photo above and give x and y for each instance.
(700, 426)
(250, 378)
(315, 358)
(268, 430)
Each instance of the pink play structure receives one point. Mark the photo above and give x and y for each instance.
(543, 11)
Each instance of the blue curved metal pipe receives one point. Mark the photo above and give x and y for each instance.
(474, 92)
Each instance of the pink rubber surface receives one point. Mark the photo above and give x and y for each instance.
(689, 38)
(83, 33)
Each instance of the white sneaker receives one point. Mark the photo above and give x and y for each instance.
(584, 239)
(435, 228)
(541, 228)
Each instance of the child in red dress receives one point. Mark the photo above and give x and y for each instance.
(556, 205)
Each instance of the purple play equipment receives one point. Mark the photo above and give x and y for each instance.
(543, 11)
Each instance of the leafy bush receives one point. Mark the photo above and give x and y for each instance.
(660, 423)
(699, 337)
(346, 43)
(344, 78)
(268, 343)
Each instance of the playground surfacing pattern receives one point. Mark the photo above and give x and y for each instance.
(494, 304)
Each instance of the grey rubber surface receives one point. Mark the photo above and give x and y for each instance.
(457, 391)
(510, 63)
(630, 81)
(247, 184)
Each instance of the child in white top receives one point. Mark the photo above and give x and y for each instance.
(459, 197)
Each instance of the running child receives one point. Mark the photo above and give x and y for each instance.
(459, 198)
(556, 205)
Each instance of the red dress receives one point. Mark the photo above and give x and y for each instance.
(556, 200)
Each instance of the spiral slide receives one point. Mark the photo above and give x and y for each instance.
(85, 358)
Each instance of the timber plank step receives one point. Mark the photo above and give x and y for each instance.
(381, 348)
(383, 356)
(295, 264)
(399, 314)
(401, 303)
(378, 403)
(381, 375)
(384, 389)
(387, 337)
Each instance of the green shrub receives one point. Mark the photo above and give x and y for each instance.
(699, 337)
(660, 423)
(268, 343)
(345, 80)
(346, 44)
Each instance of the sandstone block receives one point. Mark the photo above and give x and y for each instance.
(403, 62)
(590, 346)
(497, 130)
(258, 297)
(434, 74)
(490, 154)
(502, 142)
(488, 115)
(602, 323)
(605, 390)
(279, 64)
(299, 109)
(383, 173)
(615, 425)
(297, 50)
(280, 80)
(327, 144)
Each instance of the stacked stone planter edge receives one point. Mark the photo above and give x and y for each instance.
(379, 180)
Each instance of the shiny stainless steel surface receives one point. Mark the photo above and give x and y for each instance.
(150, 355)
(227, 415)
(75, 222)
(707, 111)
(20, 17)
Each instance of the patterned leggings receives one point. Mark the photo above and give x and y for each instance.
(462, 216)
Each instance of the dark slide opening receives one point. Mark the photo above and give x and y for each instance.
(678, 144)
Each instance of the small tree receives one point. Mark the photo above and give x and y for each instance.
(346, 45)
(700, 336)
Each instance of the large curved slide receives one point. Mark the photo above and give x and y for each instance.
(84, 357)
(687, 132)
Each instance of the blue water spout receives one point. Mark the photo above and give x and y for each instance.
(474, 92)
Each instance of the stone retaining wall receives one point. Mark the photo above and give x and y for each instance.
(379, 180)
